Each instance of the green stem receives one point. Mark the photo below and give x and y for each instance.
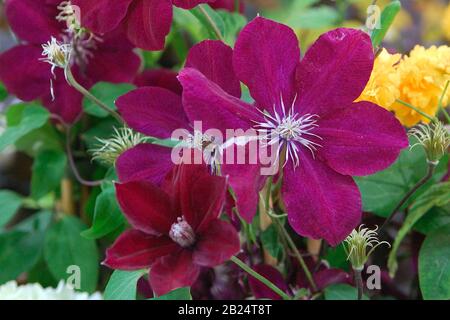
(359, 283)
(71, 80)
(441, 100)
(261, 278)
(428, 176)
(406, 104)
(297, 254)
(287, 238)
(212, 23)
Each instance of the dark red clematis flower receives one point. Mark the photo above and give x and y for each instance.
(158, 112)
(147, 22)
(307, 108)
(176, 229)
(108, 58)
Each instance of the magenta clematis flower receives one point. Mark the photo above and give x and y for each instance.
(147, 22)
(158, 112)
(176, 229)
(306, 107)
(25, 74)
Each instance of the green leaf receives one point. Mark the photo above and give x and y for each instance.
(10, 202)
(337, 258)
(434, 265)
(342, 292)
(215, 18)
(3, 92)
(177, 294)
(234, 22)
(433, 219)
(22, 119)
(19, 252)
(107, 93)
(382, 191)
(437, 196)
(65, 247)
(48, 170)
(21, 248)
(314, 18)
(271, 242)
(387, 18)
(40, 139)
(107, 216)
(122, 285)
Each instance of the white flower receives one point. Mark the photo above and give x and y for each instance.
(12, 291)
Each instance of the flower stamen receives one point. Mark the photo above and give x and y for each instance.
(182, 233)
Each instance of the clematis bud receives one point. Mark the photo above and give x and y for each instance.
(182, 233)
(434, 138)
(122, 140)
(360, 244)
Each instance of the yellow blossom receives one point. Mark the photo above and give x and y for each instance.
(418, 79)
(423, 75)
(384, 83)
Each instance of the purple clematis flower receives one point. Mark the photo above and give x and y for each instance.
(147, 22)
(158, 112)
(25, 74)
(176, 229)
(306, 107)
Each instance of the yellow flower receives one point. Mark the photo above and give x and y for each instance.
(446, 22)
(384, 83)
(418, 79)
(423, 76)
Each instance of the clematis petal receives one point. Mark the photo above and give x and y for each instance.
(216, 244)
(361, 139)
(33, 20)
(113, 60)
(144, 162)
(23, 74)
(245, 179)
(135, 250)
(162, 78)
(214, 60)
(266, 56)
(148, 23)
(320, 202)
(260, 290)
(101, 16)
(334, 71)
(146, 207)
(153, 111)
(189, 4)
(201, 195)
(173, 271)
(206, 101)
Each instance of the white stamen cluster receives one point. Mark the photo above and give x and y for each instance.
(360, 244)
(289, 130)
(205, 143)
(122, 140)
(56, 53)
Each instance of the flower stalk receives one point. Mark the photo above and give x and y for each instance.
(261, 278)
(74, 83)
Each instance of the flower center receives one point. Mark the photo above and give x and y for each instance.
(182, 233)
(290, 130)
(56, 53)
(210, 149)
